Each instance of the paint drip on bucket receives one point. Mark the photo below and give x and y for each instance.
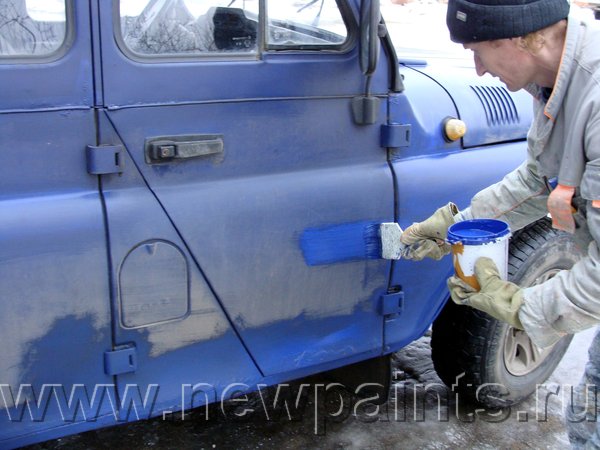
(472, 239)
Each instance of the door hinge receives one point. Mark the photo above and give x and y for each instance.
(123, 359)
(395, 135)
(104, 159)
(391, 303)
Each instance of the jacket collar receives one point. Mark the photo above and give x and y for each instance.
(554, 102)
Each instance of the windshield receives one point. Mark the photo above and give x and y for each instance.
(418, 30)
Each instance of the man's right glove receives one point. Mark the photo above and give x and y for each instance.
(428, 238)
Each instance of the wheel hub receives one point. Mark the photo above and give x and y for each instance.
(521, 355)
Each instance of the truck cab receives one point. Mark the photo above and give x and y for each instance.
(161, 160)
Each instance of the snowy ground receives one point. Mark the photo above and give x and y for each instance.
(409, 420)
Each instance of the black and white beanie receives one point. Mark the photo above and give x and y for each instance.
(486, 20)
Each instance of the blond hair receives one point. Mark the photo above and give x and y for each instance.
(534, 41)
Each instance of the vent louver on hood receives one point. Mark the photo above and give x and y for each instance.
(492, 113)
(498, 105)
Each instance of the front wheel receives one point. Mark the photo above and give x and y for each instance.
(489, 361)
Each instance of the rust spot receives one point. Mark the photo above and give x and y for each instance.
(471, 280)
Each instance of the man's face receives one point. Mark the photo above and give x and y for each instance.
(505, 60)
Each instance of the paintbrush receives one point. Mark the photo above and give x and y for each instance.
(351, 242)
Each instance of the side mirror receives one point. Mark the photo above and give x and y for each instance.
(370, 16)
(365, 108)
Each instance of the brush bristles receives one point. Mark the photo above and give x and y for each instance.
(372, 240)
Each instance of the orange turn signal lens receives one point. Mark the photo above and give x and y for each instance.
(454, 129)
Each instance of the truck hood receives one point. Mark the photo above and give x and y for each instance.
(491, 112)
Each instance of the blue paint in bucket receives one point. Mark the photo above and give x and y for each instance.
(476, 238)
(477, 231)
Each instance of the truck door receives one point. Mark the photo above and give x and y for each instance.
(54, 297)
(238, 117)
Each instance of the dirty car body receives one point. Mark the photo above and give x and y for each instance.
(160, 161)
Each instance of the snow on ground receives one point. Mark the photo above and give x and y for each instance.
(409, 420)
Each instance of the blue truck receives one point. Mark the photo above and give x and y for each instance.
(160, 162)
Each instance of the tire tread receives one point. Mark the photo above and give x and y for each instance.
(465, 339)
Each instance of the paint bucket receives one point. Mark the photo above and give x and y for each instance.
(472, 239)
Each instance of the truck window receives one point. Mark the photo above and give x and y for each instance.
(183, 28)
(32, 28)
(189, 27)
(305, 24)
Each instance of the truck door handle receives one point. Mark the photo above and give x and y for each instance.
(171, 148)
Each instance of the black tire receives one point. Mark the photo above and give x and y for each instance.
(468, 346)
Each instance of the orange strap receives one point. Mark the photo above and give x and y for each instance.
(559, 206)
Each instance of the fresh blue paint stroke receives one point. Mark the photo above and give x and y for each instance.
(341, 243)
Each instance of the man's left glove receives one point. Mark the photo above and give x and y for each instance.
(500, 299)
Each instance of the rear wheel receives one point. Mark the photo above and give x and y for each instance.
(489, 361)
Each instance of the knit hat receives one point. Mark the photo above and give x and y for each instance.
(486, 20)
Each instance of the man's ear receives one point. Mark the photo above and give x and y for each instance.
(531, 43)
(521, 43)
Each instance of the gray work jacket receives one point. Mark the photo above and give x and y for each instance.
(563, 143)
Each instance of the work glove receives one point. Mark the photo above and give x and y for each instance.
(428, 238)
(500, 299)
